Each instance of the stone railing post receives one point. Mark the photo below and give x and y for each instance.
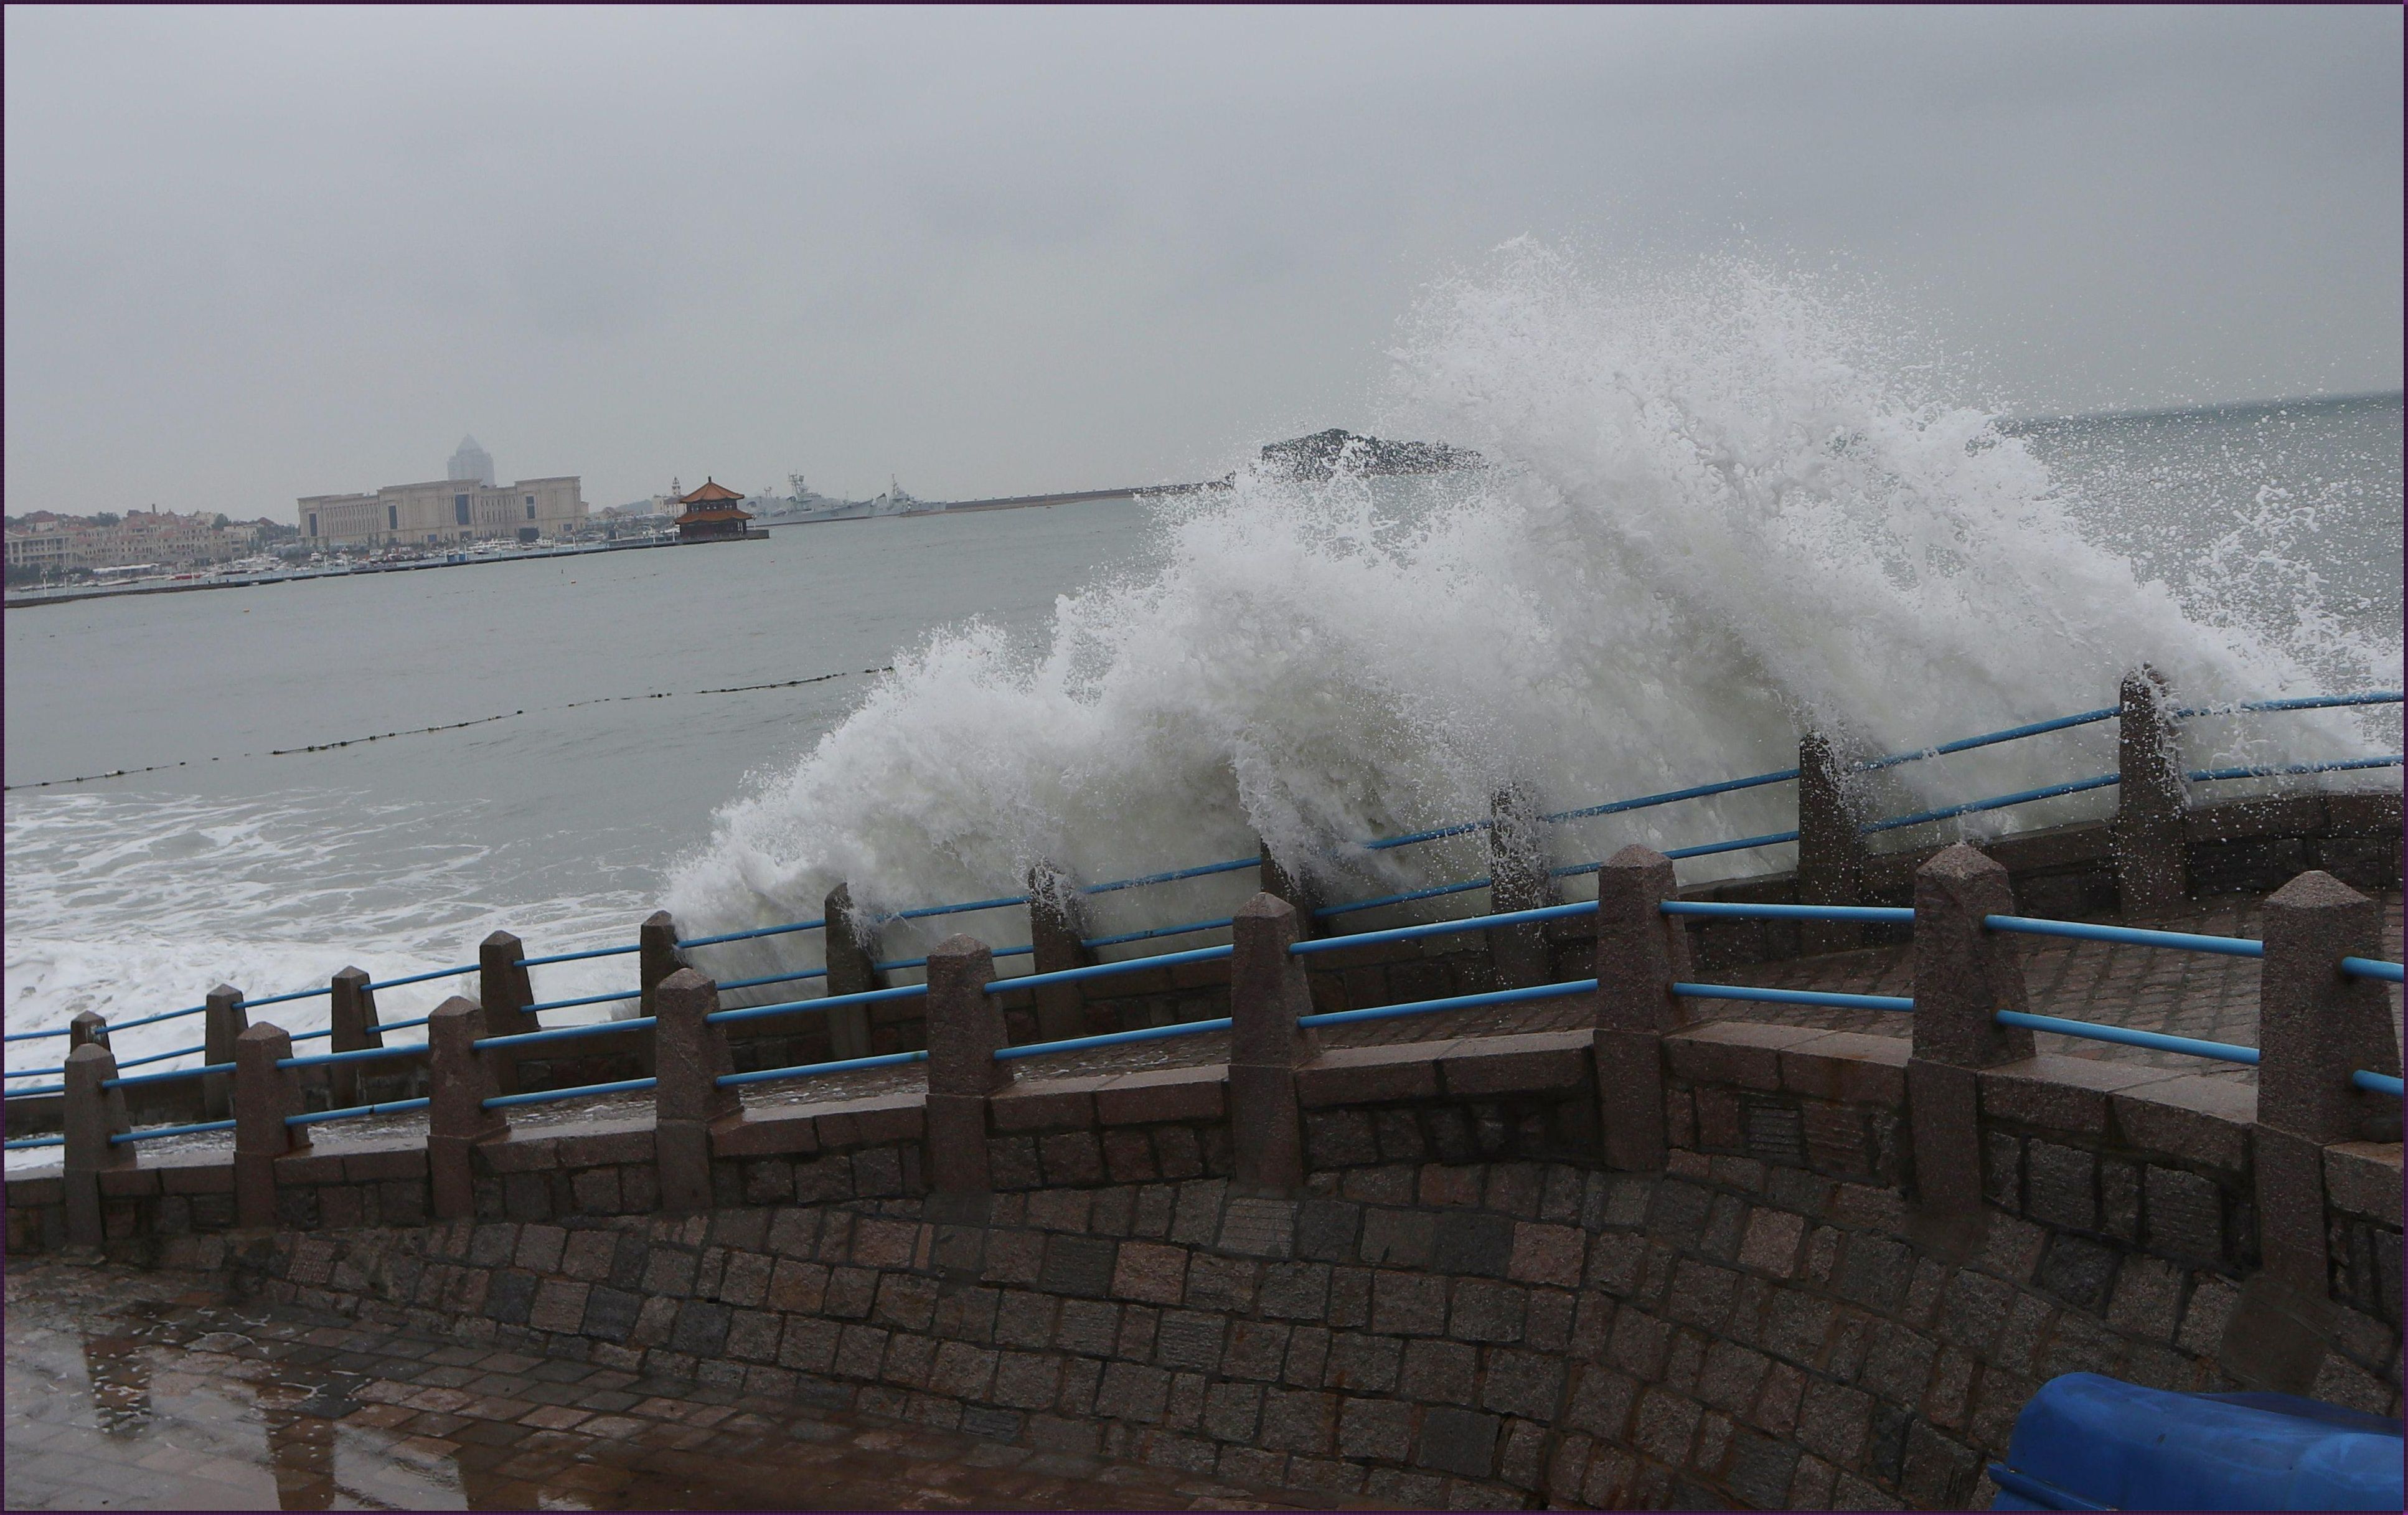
(92, 1115)
(692, 1057)
(460, 1081)
(503, 993)
(1518, 879)
(1641, 953)
(1830, 849)
(263, 1095)
(88, 1028)
(1295, 889)
(1268, 996)
(656, 959)
(1058, 928)
(847, 950)
(1964, 973)
(2317, 1026)
(352, 1015)
(965, 1031)
(2152, 868)
(222, 1019)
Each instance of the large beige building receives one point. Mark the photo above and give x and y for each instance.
(445, 510)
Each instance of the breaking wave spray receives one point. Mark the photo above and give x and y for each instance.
(1713, 515)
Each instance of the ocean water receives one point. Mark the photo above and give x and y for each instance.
(1715, 513)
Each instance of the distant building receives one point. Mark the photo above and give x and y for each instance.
(471, 464)
(64, 543)
(445, 511)
(713, 513)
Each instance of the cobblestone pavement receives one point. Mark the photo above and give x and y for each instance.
(125, 1390)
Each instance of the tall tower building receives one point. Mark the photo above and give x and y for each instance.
(471, 463)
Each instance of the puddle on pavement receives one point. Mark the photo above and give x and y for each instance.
(128, 1391)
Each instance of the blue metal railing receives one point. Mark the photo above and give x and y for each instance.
(2376, 697)
(1159, 931)
(1454, 1001)
(772, 978)
(2013, 733)
(1884, 915)
(355, 1111)
(2205, 775)
(420, 978)
(1445, 927)
(2375, 1083)
(2082, 930)
(1101, 970)
(590, 999)
(758, 931)
(579, 956)
(27, 1142)
(1119, 1038)
(810, 1070)
(1174, 875)
(173, 1073)
(1647, 802)
(2127, 1036)
(2371, 968)
(1613, 807)
(363, 1054)
(550, 1096)
(2024, 796)
(121, 1138)
(564, 1033)
(827, 1001)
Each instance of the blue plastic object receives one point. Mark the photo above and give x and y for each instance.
(2088, 1442)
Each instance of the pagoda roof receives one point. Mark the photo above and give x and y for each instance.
(710, 494)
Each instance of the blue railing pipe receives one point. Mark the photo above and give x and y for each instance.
(579, 956)
(2375, 1083)
(548, 1096)
(2082, 930)
(758, 931)
(2129, 1036)
(564, 1033)
(1884, 915)
(355, 1111)
(1454, 1001)
(1104, 969)
(2371, 968)
(1445, 927)
(813, 1070)
(829, 1002)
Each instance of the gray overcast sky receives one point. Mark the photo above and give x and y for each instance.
(257, 254)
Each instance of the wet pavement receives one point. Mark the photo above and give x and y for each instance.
(129, 1390)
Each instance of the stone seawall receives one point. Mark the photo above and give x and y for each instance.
(1461, 1304)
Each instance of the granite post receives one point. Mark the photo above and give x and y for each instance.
(656, 959)
(2152, 870)
(222, 1019)
(1518, 879)
(847, 944)
(1830, 849)
(2317, 1026)
(1964, 973)
(1641, 953)
(504, 993)
(92, 1114)
(693, 1056)
(88, 1028)
(263, 1095)
(461, 1080)
(352, 1015)
(965, 1031)
(1058, 928)
(1268, 996)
